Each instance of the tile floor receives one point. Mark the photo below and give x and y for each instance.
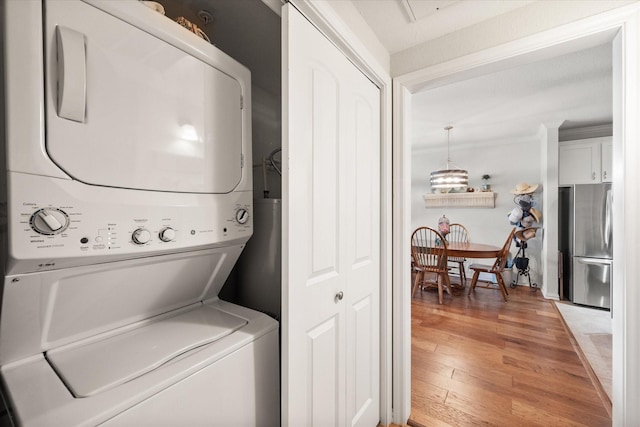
(592, 330)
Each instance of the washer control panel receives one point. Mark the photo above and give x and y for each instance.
(61, 226)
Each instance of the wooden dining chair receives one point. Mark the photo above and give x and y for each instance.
(429, 255)
(496, 269)
(459, 233)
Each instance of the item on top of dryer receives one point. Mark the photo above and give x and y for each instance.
(192, 27)
(154, 5)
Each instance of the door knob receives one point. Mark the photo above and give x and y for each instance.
(339, 296)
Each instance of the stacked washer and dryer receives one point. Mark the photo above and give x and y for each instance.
(128, 201)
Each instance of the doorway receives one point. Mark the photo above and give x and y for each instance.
(570, 38)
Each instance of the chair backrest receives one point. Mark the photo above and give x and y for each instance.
(501, 260)
(429, 249)
(458, 233)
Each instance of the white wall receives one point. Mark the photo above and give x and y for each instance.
(508, 163)
(530, 19)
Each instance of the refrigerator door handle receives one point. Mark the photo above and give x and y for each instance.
(607, 219)
(596, 261)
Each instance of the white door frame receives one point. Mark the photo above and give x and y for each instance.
(323, 17)
(626, 301)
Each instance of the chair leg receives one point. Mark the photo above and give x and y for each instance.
(474, 281)
(440, 279)
(463, 275)
(419, 278)
(502, 287)
(447, 282)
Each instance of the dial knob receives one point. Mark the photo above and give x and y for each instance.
(242, 216)
(167, 234)
(49, 221)
(141, 236)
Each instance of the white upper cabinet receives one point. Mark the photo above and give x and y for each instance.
(586, 161)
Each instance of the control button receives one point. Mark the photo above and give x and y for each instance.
(141, 236)
(84, 240)
(49, 221)
(98, 239)
(242, 216)
(167, 234)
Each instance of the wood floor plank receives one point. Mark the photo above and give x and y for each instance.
(480, 361)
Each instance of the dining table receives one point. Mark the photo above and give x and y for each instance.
(472, 250)
(468, 250)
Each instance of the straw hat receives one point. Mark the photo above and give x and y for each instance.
(524, 188)
(536, 214)
(526, 233)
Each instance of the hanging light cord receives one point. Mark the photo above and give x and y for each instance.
(448, 129)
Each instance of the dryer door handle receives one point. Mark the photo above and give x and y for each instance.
(72, 74)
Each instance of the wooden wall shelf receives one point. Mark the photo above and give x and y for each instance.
(482, 199)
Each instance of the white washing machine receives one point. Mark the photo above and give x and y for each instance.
(128, 201)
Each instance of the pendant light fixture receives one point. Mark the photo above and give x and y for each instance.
(449, 178)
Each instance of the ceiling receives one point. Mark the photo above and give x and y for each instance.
(401, 24)
(506, 106)
(510, 105)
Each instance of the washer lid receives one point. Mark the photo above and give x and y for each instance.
(100, 365)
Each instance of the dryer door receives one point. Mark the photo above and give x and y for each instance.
(127, 109)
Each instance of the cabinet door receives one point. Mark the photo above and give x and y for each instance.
(607, 161)
(331, 225)
(579, 163)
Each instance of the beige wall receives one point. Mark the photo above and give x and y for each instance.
(533, 18)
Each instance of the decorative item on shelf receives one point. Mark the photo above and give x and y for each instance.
(485, 182)
(192, 27)
(443, 227)
(468, 199)
(450, 177)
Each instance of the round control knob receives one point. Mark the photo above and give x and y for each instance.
(242, 216)
(49, 221)
(141, 236)
(167, 234)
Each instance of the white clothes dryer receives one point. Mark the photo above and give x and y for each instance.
(128, 201)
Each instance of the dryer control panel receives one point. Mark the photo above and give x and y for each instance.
(67, 223)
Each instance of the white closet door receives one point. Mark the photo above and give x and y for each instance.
(331, 225)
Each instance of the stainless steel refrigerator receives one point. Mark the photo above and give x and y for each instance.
(586, 210)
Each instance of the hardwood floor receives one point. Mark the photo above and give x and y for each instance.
(480, 361)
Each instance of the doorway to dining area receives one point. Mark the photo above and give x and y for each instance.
(497, 119)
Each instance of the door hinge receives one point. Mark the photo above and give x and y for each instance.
(241, 102)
